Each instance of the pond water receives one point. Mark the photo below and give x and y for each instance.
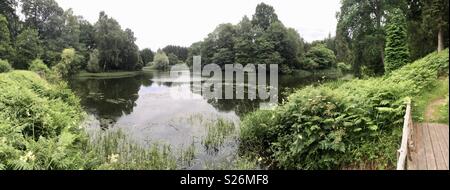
(142, 106)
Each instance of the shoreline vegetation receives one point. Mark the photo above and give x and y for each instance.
(41, 126)
(353, 122)
(113, 74)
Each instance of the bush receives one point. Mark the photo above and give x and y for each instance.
(345, 68)
(69, 64)
(39, 67)
(356, 124)
(161, 61)
(5, 66)
(39, 124)
(319, 57)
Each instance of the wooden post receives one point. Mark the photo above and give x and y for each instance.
(403, 151)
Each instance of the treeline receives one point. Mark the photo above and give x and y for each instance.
(362, 31)
(361, 40)
(47, 30)
(261, 40)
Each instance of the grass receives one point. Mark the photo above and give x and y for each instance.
(116, 74)
(113, 150)
(420, 103)
(443, 116)
(216, 134)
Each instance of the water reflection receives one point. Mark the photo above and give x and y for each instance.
(144, 108)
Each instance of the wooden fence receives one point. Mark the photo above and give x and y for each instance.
(407, 139)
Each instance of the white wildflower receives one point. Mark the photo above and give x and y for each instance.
(113, 158)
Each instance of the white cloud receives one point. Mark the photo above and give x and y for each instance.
(158, 23)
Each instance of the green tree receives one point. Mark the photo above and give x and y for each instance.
(28, 48)
(117, 48)
(397, 53)
(264, 16)
(180, 52)
(69, 64)
(194, 50)
(244, 46)
(8, 9)
(161, 61)
(6, 49)
(48, 19)
(319, 57)
(361, 33)
(435, 17)
(146, 55)
(173, 59)
(71, 31)
(93, 63)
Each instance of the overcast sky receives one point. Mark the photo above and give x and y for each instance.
(157, 23)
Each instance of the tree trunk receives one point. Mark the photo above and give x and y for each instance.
(440, 39)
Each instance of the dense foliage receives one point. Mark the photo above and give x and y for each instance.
(146, 56)
(179, 52)
(396, 52)
(361, 30)
(38, 66)
(39, 124)
(262, 40)
(319, 57)
(161, 61)
(4, 66)
(46, 30)
(355, 124)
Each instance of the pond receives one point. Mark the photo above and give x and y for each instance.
(142, 106)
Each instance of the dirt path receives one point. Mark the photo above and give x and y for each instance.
(432, 108)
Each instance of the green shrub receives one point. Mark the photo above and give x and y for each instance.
(345, 68)
(319, 57)
(39, 124)
(39, 67)
(355, 124)
(4, 66)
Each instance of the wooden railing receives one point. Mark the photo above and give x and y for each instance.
(407, 139)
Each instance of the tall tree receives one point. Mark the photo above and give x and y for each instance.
(8, 9)
(6, 49)
(146, 55)
(397, 52)
(28, 48)
(117, 48)
(435, 17)
(180, 52)
(48, 19)
(244, 46)
(361, 29)
(264, 16)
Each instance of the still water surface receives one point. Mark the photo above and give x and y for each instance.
(142, 106)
